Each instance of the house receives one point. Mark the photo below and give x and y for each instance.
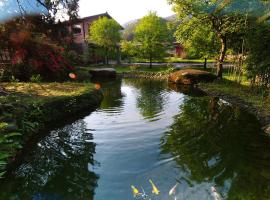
(178, 50)
(79, 29)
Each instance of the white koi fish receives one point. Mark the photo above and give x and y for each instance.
(215, 194)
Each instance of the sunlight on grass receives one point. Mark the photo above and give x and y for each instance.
(48, 89)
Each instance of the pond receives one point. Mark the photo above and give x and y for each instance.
(147, 130)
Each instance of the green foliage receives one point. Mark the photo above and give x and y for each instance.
(105, 33)
(210, 25)
(35, 78)
(151, 37)
(128, 48)
(73, 57)
(258, 61)
(198, 39)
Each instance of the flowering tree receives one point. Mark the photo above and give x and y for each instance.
(31, 52)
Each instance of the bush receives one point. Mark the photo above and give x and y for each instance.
(32, 53)
(36, 78)
(73, 58)
(134, 67)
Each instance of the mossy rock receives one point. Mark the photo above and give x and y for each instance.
(191, 76)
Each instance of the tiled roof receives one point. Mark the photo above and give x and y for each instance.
(90, 18)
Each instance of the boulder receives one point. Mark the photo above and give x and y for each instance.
(103, 73)
(191, 76)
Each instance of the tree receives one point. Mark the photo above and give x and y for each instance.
(105, 33)
(199, 42)
(221, 17)
(151, 37)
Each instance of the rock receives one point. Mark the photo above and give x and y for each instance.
(191, 76)
(103, 73)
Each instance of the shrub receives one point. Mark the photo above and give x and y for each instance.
(32, 53)
(134, 67)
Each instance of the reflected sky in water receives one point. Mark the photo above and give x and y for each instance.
(146, 130)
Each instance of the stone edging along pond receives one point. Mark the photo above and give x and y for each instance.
(248, 107)
(263, 119)
(30, 119)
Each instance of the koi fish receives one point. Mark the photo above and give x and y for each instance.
(154, 188)
(173, 190)
(215, 194)
(135, 191)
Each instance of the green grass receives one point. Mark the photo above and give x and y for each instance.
(183, 60)
(48, 90)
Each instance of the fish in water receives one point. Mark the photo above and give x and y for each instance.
(138, 195)
(173, 190)
(135, 191)
(154, 188)
(215, 194)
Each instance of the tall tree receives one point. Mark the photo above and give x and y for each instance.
(151, 37)
(222, 17)
(105, 33)
(198, 40)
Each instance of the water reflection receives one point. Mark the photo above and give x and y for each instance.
(216, 143)
(205, 142)
(60, 167)
(152, 97)
(186, 89)
(111, 90)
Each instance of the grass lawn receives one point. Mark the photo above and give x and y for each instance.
(47, 90)
(27, 93)
(183, 60)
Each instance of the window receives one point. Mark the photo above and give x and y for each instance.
(76, 29)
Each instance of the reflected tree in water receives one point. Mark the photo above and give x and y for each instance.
(152, 97)
(57, 169)
(111, 90)
(214, 142)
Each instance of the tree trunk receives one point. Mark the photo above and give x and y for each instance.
(118, 55)
(222, 56)
(150, 64)
(106, 57)
(205, 63)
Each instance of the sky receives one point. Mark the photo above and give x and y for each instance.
(121, 10)
(124, 10)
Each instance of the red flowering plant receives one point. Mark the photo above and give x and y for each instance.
(33, 53)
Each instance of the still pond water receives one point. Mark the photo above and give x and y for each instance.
(146, 130)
